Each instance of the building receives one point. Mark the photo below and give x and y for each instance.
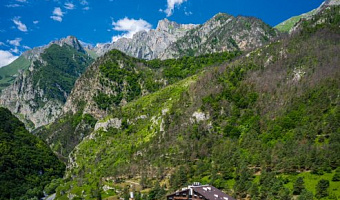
(199, 192)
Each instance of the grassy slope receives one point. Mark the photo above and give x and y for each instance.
(9, 72)
(64, 134)
(311, 180)
(138, 133)
(288, 24)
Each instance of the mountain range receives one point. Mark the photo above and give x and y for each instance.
(233, 102)
(37, 106)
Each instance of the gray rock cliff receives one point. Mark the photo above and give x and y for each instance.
(34, 97)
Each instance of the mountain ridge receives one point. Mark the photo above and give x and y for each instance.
(38, 93)
(168, 33)
(147, 45)
(292, 23)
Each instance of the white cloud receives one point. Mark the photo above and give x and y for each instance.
(15, 42)
(86, 8)
(15, 50)
(57, 18)
(84, 2)
(15, 5)
(6, 58)
(2, 44)
(57, 11)
(26, 47)
(130, 27)
(57, 14)
(188, 13)
(23, 1)
(171, 6)
(22, 27)
(35, 22)
(69, 6)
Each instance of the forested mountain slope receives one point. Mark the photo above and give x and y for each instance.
(265, 126)
(27, 164)
(117, 79)
(38, 93)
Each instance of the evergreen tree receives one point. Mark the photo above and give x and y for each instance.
(322, 188)
(179, 178)
(243, 181)
(126, 193)
(138, 196)
(157, 192)
(336, 176)
(254, 192)
(305, 195)
(284, 194)
(298, 186)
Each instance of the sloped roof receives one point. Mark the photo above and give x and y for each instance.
(209, 192)
(212, 193)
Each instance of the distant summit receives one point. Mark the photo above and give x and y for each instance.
(289, 24)
(71, 41)
(171, 26)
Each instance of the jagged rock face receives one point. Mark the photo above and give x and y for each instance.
(221, 33)
(71, 41)
(85, 89)
(332, 2)
(171, 40)
(97, 87)
(148, 44)
(34, 53)
(21, 98)
(39, 93)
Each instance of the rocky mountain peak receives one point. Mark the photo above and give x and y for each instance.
(332, 2)
(71, 41)
(171, 26)
(221, 16)
(166, 25)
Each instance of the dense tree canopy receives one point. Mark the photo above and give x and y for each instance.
(26, 162)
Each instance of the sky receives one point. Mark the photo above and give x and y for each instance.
(25, 24)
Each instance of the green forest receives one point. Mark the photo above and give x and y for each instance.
(27, 164)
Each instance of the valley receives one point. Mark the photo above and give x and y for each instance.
(233, 103)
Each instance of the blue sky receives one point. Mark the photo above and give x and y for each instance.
(25, 24)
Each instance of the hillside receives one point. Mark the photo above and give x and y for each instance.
(262, 126)
(287, 25)
(9, 72)
(38, 93)
(117, 79)
(27, 164)
(292, 23)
